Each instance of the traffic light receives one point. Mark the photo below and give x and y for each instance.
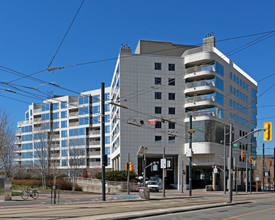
(127, 166)
(267, 131)
(270, 163)
(265, 164)
(250, 159)
(131, 166)
(242, 154)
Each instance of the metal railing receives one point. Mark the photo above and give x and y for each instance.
(210, 97)
(200, 113)
(73, 105)
(94, 153)
(37, 120)
(73, 124)
(23, 123)
(94, 164)
(197, 50)
(94, 142)
(200, 83)
(200, 68)
(17, 132)
(17, 141)
(73, 114)
(37, 110)
(94, 132)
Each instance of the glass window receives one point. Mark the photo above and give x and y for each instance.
(238, 93)
(64, 143)
(45, 107)
(219, 83)
(246, 87)
(171, 125)
(241, 83)
(237, 80)
(158, 139)
(107, 107)
(107, 96)
(64, 163)
(171, 96)
(157, 81)
(241, 95)
(107, 129)
(219, 98)
(157, 110)
(171, 110)
(253, 116)
(27, 115)
(30, 112)
(234, 91)
(63, 124)
(253, 93)
(107, 140)
(157, 66)
(64, 153)
(64, 114)
(55, 125)
(158, 124)
(231, 102)
(96, 120)
(84, 110)
(83, 100)
(55, 106)
(56, 115)
(157, 95)
(96, 98)
(253, 105)
(171, 81)
(63, 105)
(107, 150)
(234, 78)
(171, 139)
(219, 69)
(64, 133)
(45, 126)
(96, 109)
(45, 116)
(171, 67)
(84, 121)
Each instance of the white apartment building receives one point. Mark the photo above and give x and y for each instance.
(169, 82)
(64, 126)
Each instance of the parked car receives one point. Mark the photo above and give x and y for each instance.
(152, 186)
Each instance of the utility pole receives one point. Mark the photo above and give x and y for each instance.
(128, 174)
(183, 173)
(224, 165)
(102, 137)
(163, 175)
(263, 167)
(246, 174)
(274, 170)
(250, 174)
(230, 165)
(144, 169)
(190, 158)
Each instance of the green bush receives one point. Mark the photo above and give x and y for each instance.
(117, 175)
(60, 183)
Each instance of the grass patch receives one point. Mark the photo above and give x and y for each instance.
(16, 193)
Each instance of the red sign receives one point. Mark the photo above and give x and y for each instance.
(152, 122)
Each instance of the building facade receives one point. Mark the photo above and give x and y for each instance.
(170, 83)
(63, 131)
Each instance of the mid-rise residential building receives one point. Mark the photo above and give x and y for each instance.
(169, 82)
(67, 129)
(164, 83)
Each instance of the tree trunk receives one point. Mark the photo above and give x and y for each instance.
(74, 183)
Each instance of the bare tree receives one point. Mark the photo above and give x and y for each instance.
(77, 159)
(6, 144)
(41, 153)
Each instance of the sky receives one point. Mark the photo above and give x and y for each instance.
(32, 30)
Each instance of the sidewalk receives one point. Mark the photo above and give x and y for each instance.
(126, 208)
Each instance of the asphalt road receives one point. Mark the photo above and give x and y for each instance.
(263, 210)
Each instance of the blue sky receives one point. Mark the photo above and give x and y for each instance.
(32, 30)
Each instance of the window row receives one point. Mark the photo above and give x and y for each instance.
(171, 81)
(171, 96)
(171, 66)
(239, 94)
(171, 110)
(171, 139)
(171, 125)
(238, 119)
(238, 106)
(240, 82)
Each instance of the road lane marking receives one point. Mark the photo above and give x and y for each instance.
(250, 213)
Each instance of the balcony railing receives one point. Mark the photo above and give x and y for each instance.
(37, 110)
(94, 153)
(94, 132)
(20, 123)
(94, 143)
(18, 132)
(200, 98)
(37, 120)
(200, 68)
(200, 83)
(73, 105)
(72, 124)
(200, 113)
(73, 114)
(197, 50)
(95, 164)
(17, 141)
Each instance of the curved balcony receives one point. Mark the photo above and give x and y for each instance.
(200, 87)
(200, 72)
(199, 102)
(198, 56)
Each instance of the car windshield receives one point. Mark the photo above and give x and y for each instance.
(152, 183)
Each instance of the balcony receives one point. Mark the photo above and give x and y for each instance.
(73, 114)
(94, 164)
(17, 141)
(36, 111)
(17, 149)
(94, 142)
(17, 157)
(94, 153)
(73, 124)
(198, 102)
(198, 56)
(20, 123)
(37, 120)
(94, 132)
(18, 133)
(73, 105)
(200, 72)
(200, 87)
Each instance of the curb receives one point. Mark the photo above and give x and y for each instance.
(149, 213)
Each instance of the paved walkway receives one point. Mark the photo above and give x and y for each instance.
(122, 207)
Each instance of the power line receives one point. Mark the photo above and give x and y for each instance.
(66, 34)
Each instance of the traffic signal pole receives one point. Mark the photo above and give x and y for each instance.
(263, 167)
(163, 176)
(224, 165)
(246, 174)
(102, 137)
(128, 174)
(250, 174)
(190, 158)
(230, 165)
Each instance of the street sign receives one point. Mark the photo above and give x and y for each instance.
(257, 177)
(235, 145)
(142, 150)
(163, 163)
(191, 130)
(188, 153)
(215, 170)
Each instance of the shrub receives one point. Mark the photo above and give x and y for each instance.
(27, 182)
(117, 175)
